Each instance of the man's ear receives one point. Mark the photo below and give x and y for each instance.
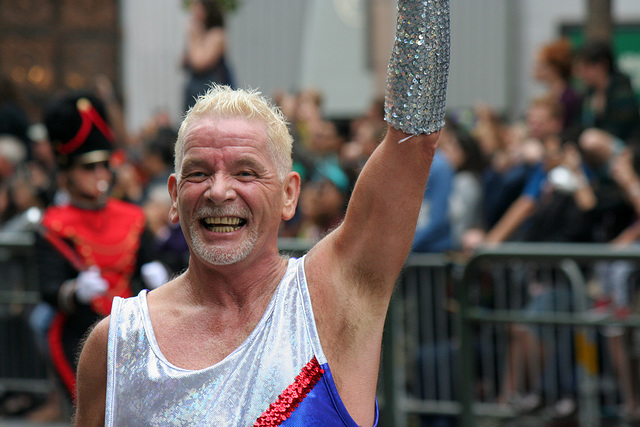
(291, 192)
(174, 217)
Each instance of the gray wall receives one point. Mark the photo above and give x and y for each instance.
(266, 43)
(334, 56)
(480, 53)
(293, 44)
(152, 37)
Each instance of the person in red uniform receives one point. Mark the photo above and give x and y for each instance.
(94, 247)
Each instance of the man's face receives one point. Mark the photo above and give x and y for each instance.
(227, 194)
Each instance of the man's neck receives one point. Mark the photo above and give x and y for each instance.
(237, 286)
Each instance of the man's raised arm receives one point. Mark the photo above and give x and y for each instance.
(371, 245)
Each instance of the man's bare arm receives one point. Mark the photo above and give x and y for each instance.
(92, 377)
(351, 272)
(370, 247)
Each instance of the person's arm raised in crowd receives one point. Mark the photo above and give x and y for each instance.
(352, 271)
(519, 211)
(583, 194)
(627, 178)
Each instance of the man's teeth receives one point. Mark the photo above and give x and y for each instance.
(233, 220)
(223, 224)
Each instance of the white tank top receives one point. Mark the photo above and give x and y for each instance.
(278, 376)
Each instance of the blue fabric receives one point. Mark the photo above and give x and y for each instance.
(535, 182)
(434, 234)
(500, 189)
(322, 407)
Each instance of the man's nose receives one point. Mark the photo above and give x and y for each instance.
(220, 189)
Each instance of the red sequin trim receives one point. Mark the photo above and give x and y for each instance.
(289, 399)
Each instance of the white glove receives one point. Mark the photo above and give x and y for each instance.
(154, 274)
(90, 284)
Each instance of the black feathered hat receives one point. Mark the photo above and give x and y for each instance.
(78, 129)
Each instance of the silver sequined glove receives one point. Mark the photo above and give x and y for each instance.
(419, 67)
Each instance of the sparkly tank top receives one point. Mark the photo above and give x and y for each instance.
(278, 376)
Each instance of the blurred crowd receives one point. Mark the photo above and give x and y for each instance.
(568, 171)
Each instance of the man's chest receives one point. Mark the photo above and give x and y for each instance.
(197, 343)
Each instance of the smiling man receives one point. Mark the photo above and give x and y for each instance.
(227, 159)
(246, 337)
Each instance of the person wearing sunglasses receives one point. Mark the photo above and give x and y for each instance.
(93, 247)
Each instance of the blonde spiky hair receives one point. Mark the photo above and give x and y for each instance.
(222, 101)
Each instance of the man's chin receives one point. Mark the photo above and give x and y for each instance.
(219, 258)
(220, 254)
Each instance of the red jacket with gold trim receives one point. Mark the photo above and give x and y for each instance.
(108, 238)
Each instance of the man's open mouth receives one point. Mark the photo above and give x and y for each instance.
(223, 224)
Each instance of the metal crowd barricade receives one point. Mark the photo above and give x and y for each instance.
(568, 266)
(446, 337)
(22, 368)
(452, 327)
(419, 346)
(295, 247)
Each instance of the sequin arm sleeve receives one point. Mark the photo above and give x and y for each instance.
(419, 67)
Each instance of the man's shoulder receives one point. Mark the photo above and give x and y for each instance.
(97, 337)
(125, 215)
(621, 80)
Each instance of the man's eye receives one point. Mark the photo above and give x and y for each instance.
(195, 175)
